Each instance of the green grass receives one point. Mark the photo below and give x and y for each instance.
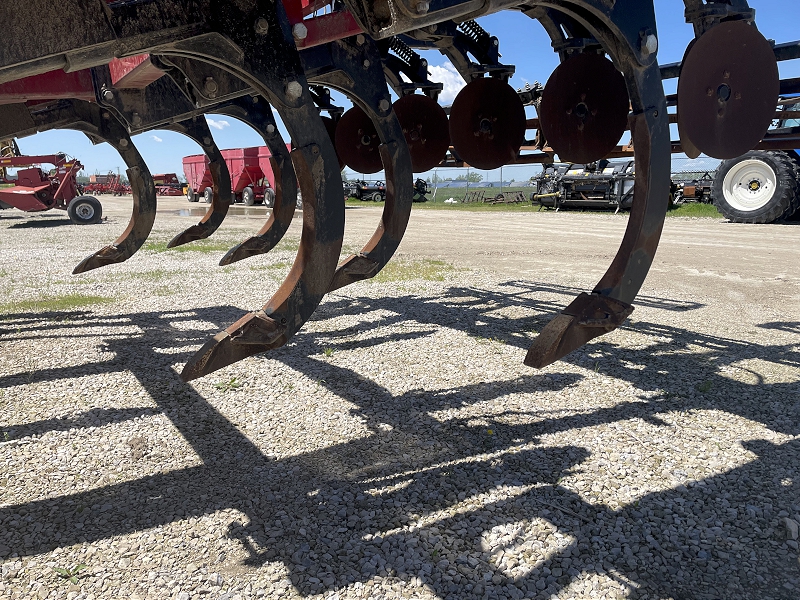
(458, 194)
(401, 270)
(695, 209)
(206, 246)
(56, 303)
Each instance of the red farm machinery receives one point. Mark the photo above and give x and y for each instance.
(252, 179)
(107, 184)
(133, 66)
(168, 184)
(33, 189)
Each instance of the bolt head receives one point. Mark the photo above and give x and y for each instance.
(293, 90)
(123, 143)
(299, 31)
(108, 95)
(384, 105)
(207, 141)
(270, 128)
(360, 39)
(366, 64)
(210, 86)
(262, 26)
(650, 45)
(423, 6)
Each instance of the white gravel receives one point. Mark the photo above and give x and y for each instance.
(397, 447)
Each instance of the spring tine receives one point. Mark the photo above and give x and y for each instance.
(257, 113)
(607, 307)
(197, 129)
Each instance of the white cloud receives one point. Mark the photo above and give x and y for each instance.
(155, 138)
(217, 124)
(449, 76)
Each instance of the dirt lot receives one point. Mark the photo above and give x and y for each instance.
(397, 447)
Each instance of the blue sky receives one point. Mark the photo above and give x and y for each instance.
(523, 43)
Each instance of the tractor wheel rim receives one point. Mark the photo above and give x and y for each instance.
(749, 185)
(84, 211)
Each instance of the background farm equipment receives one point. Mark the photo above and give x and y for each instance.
(107, 184)
(762, 186)
(600, 185)
(366, 190)
(168, 184)
(252, 179)
(33, 190)
(179, 63)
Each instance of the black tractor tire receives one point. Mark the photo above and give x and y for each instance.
(377, 197)
(248, 196)
(85, 210)
(757, 187)
(191, 195)
(208, 195)
(269, 198)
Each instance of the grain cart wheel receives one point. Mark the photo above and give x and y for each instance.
(248, 197)
(269, 198)
(757, 187)
(85, 210)
(377, 197)
(208, 195)
(191, 195)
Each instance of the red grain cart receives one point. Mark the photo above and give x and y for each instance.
(252, 179)
(33, 190)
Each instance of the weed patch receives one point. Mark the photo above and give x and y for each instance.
(428, 270)
(56, 303)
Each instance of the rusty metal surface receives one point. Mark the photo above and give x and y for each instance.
(197, 129)
(584, 108)
(487, 123)
(727, 90)
(426, 130)
(610, 302)
(257, 113)
(358, 141)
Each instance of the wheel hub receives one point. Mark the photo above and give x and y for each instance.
(749, 185)
(84, 211)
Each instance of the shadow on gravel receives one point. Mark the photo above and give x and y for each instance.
(40, 223)
(340, 515)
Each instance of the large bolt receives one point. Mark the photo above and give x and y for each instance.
(384, 105)
(136, 120)
(422, 7)
(270, 128)
(108, 95)
(366, 64)
(123, 143)
(262, 26)
(300, 31)
(293, 90)
(360, 39)
(206, 141)
(649, 45)
(211, 87)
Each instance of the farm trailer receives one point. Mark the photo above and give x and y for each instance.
(252, 177)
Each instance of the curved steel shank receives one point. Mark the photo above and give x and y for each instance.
(100, 126)
(197, 129)
(609, 304)
(353, 66)
(257, 113)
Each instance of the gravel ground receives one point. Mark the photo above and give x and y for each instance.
(397, 447)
